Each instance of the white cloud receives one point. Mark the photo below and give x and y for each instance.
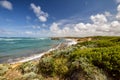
(115, 24)
(6, 4)
(55, 28)
(101, 24)
(80, 26)
(118, 1)
(99, 19)
(118, 14)
(29, 32)
(118, 8)
(107, 14)
(36, 27)
(42, 16)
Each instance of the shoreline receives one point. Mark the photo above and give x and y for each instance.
(68, 42)
(35, 56)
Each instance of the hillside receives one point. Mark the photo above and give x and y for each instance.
(92, 58)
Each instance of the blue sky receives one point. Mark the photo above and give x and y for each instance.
(41, 18)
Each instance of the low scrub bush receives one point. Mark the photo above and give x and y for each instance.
(30, 76)
(3, 69)
(28, 67)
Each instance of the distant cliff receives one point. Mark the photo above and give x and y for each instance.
(55, 38)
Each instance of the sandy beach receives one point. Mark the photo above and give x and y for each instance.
(69, 42)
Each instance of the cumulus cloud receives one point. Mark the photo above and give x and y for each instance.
(80, 26)
(98, 19)
(107, 14)
(55, 28)
(6, 4)
(100, 24)
(41, 15)
(118, 14)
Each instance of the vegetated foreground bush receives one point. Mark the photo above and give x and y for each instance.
(28, 67)
(98, 58)
(3, 69)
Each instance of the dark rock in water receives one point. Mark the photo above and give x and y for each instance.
(55, 38)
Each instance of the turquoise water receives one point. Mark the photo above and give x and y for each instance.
(12, 48)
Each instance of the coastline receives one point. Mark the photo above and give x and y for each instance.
(71, 42)
(68, 42)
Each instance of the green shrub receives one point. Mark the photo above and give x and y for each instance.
(106, 58)
(60, 66)
(52, 67)
(104, 43)
(81, 68)
(45, 66)
(89, 59)
(28, 67)
(3, 69)
(30, 76)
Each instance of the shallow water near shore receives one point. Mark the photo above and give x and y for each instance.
(19, 47)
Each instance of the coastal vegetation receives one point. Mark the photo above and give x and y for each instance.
(92, 58)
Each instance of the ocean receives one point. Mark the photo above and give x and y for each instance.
(15, 48)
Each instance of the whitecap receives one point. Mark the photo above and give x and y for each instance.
(12, 42)
(6, 39)
(40, 38)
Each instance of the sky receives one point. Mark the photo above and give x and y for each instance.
(46, 18)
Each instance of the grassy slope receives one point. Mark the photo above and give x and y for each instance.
(93, 58)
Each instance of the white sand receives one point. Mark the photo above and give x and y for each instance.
(70, 42)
